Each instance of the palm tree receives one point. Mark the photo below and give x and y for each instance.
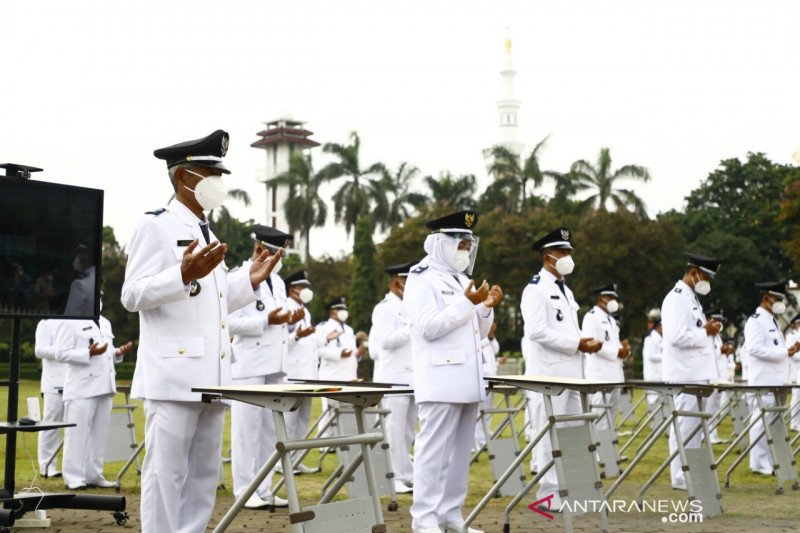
(511, 175)
(404, 199)
(450, 191)
(602, 179)
(304, 208)
(360, 194)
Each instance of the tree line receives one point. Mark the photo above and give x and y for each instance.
(745, 211)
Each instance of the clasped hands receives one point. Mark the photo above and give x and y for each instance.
(488, 296)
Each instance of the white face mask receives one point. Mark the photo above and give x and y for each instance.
(342, 315)
(702, 287)
(564, 265)
(778, 308)
(101, 305)
(209, 192)
(76, 264)
(612, 306)
(306, 295)
(460, 260)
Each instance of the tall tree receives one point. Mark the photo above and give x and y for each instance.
(364, 289)
(404, 199)
(602, 179)
(452, 192)
(304, 208)
(363, 190)
(509, 171)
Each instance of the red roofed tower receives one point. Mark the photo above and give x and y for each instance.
(281, 138)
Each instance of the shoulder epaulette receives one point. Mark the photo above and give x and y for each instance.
(384, 301)
(156, 212)
(591, 312)
(677, 289)
(534, 280)
(419, 270)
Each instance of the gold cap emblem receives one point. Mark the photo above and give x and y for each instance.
(469, 219)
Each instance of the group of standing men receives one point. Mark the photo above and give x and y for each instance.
(202, 325)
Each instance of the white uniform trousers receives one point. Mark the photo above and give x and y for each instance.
(85, 444)
(534, 399)
(253, 438)
(401, 424)
(760, 458)
(441, 462)
(794, 423)
(183, 443)
(683, 402)
(610, 398)
(711, 406)
(566, 403)
(297, 421)
(50, 440)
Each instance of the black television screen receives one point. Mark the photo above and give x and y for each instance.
(50, 249)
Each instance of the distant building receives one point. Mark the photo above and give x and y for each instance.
(507, 109)
(281, 138)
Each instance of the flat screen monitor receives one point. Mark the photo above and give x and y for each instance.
(51, 238)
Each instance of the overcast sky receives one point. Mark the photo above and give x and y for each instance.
(91, 88)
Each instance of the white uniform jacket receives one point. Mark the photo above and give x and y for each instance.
(604, 365)
(792, 337)
(184, 339)
(259, 349)
(390, 342)
(687, 350)
(551, 334)
(489, 350)
(53, 372)
(721, 359)
(80, 301)
(651, 356)
(446, 333)
(86, 376)
(766, 347)
(301, 360)
(333, 366)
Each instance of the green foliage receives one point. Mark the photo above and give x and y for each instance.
(734, 215)
(600, 179)
(363, 190)
(305, 209)
(330, 277)
(364, 289)
(512, 177)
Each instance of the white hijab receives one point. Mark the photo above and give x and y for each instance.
(441, 249)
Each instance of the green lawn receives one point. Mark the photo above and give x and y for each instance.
(750, 496)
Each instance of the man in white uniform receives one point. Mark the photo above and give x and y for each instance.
(183, 293)
(688, 348)
(489, 350)
(301, 358)
(53, 374)
(260, 345)
(87, 350)
(769, 362)
(793, 336)
(448, 321)
(552, 343)
(390, 340)
(80, 301)
(651, 356)
(714, 402)
(606, 363)
(337, 349)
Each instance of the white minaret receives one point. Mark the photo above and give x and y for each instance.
(508, 106)
(282, 137)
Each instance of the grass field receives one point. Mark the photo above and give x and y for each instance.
(751, 498)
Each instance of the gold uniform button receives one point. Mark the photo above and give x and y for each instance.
(220, 295)
(222, 355)
(258, 343)
(223, 325)
(181, 351)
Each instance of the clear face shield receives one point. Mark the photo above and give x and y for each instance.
(472, 252)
